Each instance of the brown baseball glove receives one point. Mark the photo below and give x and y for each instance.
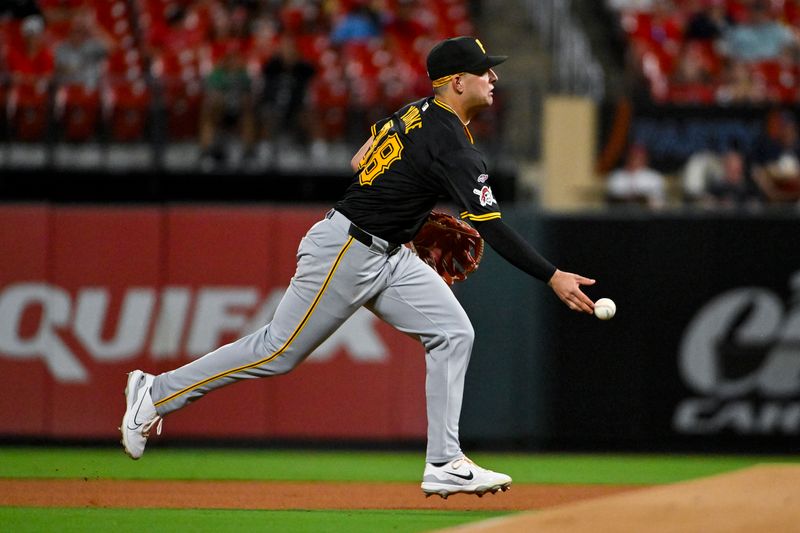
(450, 246)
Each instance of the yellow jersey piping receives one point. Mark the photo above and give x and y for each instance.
(480, 218)
(448, 108)
(280, 350)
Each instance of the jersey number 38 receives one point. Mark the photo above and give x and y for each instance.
(385, 150)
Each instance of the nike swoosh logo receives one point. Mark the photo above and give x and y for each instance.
(469, 477)
(137, 424)
(138, 403)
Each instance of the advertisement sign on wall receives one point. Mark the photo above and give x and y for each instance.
(740, 357)
(89, 294)
(704, 351)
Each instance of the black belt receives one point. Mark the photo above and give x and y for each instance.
(366, 239)
(363, 237)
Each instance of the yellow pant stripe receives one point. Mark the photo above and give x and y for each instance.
(280, 350)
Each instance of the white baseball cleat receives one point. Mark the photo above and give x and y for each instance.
(140, 414)
(462, 475)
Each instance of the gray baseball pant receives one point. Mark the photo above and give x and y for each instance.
(336, 274)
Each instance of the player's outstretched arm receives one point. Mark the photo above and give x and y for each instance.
(517, 251)
(567, 287)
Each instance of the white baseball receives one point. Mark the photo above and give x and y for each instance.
(605, 308)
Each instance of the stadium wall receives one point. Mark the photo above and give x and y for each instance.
(704, 353)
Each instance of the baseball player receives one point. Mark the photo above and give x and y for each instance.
(354, 257)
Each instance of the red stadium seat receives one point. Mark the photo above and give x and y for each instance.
(780, 78)
(9, 34)
(329, 99)
(77, 113)
(312, 46)
(177, 64)
(27, 109)
(292, 18)
(127, 108)
(768, 71)
(114, 17)
(692, 94)
(183, 102)
(452, 18)
(125, 64)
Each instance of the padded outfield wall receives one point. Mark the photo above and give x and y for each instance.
(704, 352)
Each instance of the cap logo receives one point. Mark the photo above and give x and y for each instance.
(459, 54)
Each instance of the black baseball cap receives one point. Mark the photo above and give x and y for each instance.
(460, 54)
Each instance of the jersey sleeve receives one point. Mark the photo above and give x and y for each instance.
(464, 175)
(376, 127)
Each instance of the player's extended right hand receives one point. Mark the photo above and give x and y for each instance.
(567, 287)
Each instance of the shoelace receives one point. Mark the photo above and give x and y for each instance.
(148, 426)
(469, 461)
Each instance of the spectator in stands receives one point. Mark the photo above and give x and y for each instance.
(32, 63)
(286, 78)
(692, 79)
(404, 25)
(701, 169)
(60, 12)
(227, 27)
(636, 183)
(228, 101)
(358, 23)
(759, 38)
(406, 31)
(708, 20)
(30, 66)
(776, 159)
(732, 187)
(80, 58)
(264, 36)
(738, 86)
(181, 28)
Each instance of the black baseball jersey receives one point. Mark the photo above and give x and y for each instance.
(419, 155)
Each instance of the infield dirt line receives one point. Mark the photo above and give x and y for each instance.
(103, 493)
(760, 499)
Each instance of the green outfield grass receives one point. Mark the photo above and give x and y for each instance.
(33, 519)
(289, 465)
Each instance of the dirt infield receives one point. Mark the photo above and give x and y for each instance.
(759, 499)
(756, 499)
(281, 495)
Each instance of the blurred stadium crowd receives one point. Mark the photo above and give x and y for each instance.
(715, 53)
(309, 72)
(249, 85)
